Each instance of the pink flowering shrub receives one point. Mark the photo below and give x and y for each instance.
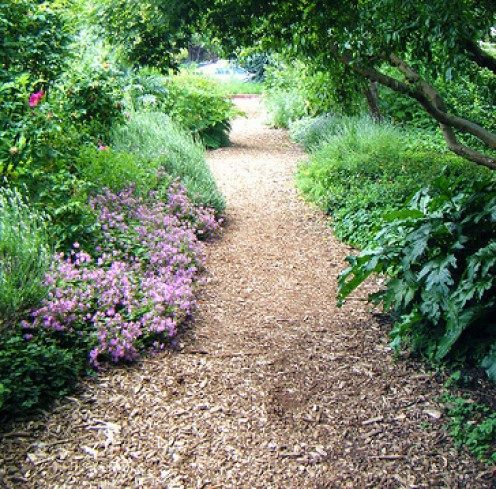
(138, 285)
(35, 98)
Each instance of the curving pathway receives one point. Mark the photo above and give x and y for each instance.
(272, 386)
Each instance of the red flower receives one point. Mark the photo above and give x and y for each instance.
(35, 98)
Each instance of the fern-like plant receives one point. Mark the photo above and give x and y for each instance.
(439, 259)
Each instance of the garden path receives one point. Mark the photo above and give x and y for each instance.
(272, 386)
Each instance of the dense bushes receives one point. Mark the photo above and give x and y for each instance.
(294, 90)
(196, 103)
(124, 191)
(359, 171)
(34, 373)
(439, 254)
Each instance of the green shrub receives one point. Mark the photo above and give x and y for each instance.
(361, 171)
(159, 143)
(283, 107)
(24, 257)
(34, 373)
(197, 103)
(35, 39)
(63, 196)
(311, 132)
(439, 257)
(294, 89)
(91, 96)
(116, 170)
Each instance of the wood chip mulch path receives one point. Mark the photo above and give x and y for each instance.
(272, 386)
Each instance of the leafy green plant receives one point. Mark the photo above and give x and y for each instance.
(91, 96)
(439, 259)
(159, 143)
(359, 171)
(197, 103)
(311, 132)
(106, 167)
(63, 196)
(35, 39)
(472, 425)
(283, 107)
(24, 256)
(295, 89)
(34, 373)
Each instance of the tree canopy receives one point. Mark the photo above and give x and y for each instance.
(417, 49)
(406, 46)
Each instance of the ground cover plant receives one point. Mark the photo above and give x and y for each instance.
(359, 171)
(131, 293)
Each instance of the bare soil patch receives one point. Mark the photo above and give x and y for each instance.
(272, 386)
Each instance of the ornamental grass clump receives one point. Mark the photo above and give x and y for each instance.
(24, 256)
(137, 285)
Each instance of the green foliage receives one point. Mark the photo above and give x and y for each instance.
(32, 374)
(24, 257)
(148, 33)
(439, 257)
(472, 425)
(311, 132)
(283, 107)
(474, 98)
(359, 171)
(294, 90)
(116, 170)
(91, 97)
(255, 62)
(354, 43)
(35, 39)
(63, 196)
(158, 143)
(196, 103)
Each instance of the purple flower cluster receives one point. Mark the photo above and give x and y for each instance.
(139, 285)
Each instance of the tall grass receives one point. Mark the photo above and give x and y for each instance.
(161, 144)
(360, 171)
(24, 256)
(311, 132)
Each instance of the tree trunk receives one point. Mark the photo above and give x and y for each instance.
(371, 94)
(430, 99)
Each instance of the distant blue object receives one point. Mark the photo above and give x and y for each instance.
(224, 71)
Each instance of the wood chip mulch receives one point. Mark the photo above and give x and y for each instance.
(272, 386)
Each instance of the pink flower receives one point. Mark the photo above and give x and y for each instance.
(35, 98)
(101, 146)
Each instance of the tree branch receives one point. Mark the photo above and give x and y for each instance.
(479, 56)
(430, 99)
(433, 103)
